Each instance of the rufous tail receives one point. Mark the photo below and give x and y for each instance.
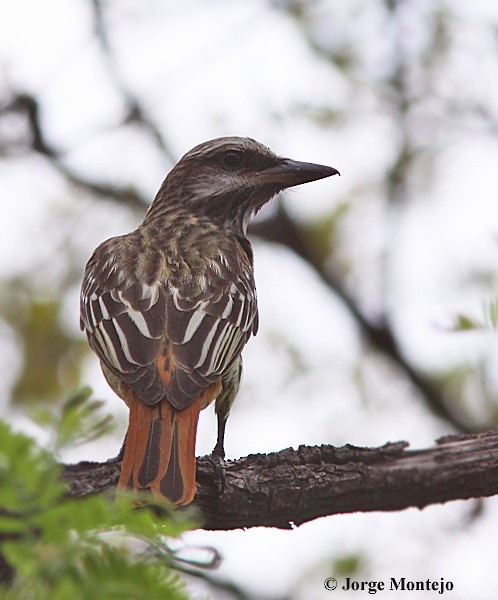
(160, 451)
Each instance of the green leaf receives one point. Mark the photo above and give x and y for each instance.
(91, 547)
(465, 323)
(488, 321)
(77, 421)
(29, 479)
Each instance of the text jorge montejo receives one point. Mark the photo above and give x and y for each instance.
(401, 584)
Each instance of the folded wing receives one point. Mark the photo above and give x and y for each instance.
(172, 337)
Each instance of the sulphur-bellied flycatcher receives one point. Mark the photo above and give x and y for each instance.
(169, 307)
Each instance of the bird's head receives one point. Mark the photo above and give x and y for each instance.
(229, 179)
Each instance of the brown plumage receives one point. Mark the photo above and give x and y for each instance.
(169, 307)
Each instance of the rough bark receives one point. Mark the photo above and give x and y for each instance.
(287, 488)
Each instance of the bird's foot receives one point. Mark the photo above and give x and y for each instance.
(217, 458)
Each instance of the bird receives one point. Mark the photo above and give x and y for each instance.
(168, 307)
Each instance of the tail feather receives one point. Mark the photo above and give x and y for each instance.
(160, 451)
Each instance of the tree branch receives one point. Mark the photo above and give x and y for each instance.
(28, 106)
(291, 487)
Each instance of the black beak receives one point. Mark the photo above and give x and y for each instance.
(288, 173)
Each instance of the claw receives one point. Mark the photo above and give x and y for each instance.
(218, 462)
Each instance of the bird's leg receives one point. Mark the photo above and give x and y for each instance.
(217, 456)
(219, 449)
(229, 390)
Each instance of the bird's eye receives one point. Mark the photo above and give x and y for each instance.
(231, 159)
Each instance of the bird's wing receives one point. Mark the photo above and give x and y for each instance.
(124, 320)
(164, 340)
(209, 327)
